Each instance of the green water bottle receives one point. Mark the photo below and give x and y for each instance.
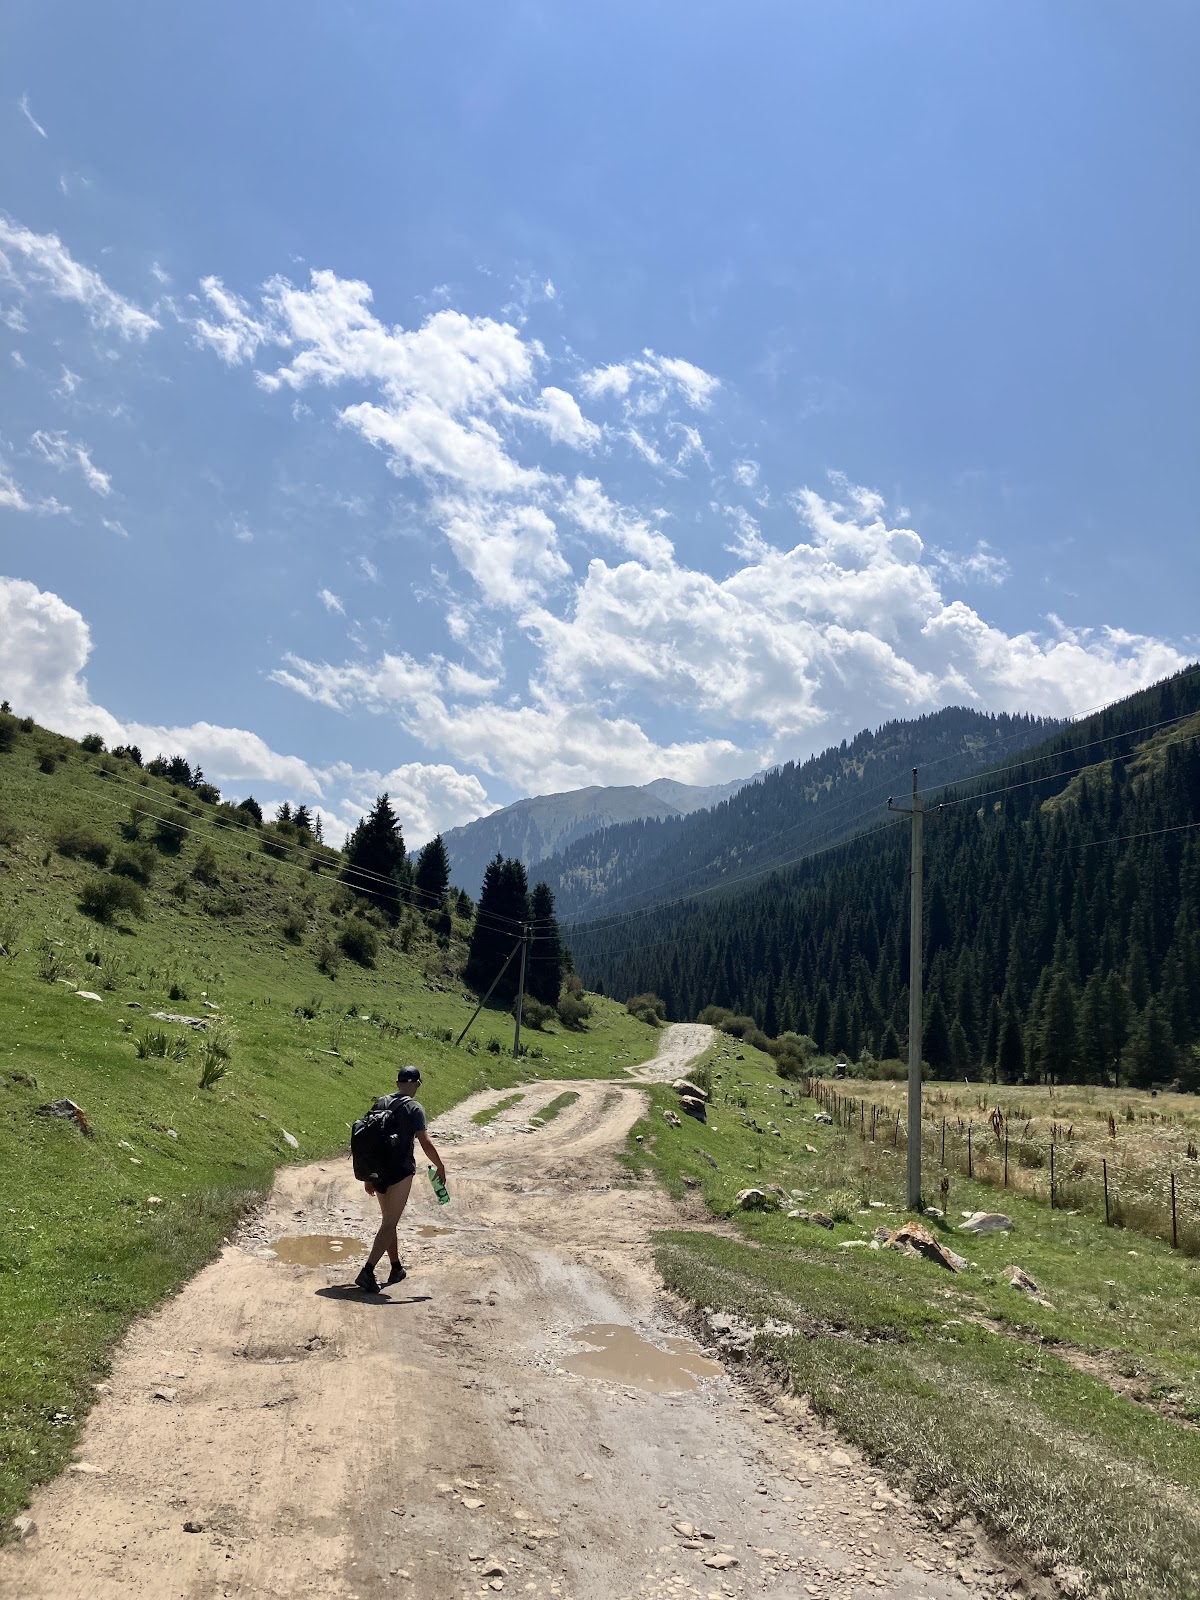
(439, 1188)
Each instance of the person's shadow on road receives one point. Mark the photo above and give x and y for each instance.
(348, 1291)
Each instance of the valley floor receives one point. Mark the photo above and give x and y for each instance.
(270, 1432)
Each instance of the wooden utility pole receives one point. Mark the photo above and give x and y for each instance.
(520, 992)
(915, 1013)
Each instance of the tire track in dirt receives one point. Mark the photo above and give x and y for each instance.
(270, 1432)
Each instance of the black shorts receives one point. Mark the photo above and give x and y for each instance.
(383, 1185)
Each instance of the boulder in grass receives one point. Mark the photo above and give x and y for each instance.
(1018, 1278)
(915, 1239)
(988, 1222)
(693, 1091)
(694, 1108)
(821, 1220)
(756, 1200)
(824, 1118)
(670, 1117)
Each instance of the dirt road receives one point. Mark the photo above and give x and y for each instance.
(271, 1432)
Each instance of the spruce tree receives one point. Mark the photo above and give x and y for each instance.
(1010, 1059)
(376, 863)
(500, 915)
(432, 876)
(545, 970)
(937, 1038)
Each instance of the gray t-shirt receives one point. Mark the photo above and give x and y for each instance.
(406, 1121)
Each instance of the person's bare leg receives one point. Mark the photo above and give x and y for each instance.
(391, 1206)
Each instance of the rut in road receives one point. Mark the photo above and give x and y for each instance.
(270, 1432)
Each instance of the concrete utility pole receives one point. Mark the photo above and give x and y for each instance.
(520, 991)
(915, 1010)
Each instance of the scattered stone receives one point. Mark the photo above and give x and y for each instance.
(720, 1563)
(821, 1220)
(290, 1139)
(855, 1244)
(154, 1200)
(988, 1222)
(169, 1395)
(193, 1525)
(839, 1458)
(473, 1504)
(685, 1088)
(208, 1004)
(171, 1134)
(823, 1117)
(86, 994)
(86, 1469)
(811, 1148)
(494, 1569)
(669, 1116)
(756, 1200)
(68, 1111)
(176, 1016)
(692, 1107)
(1019, 1279)
(937, 1216)
(684, 1529)
(24, 1527)
(704, 1156)
(915, 1239)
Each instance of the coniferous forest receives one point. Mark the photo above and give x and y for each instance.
(1061, 919)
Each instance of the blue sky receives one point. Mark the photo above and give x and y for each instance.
(481, 400)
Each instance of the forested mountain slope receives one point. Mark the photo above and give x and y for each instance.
(781, 815)
(532, 829)
(1062, 918)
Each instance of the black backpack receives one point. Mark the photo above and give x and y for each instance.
(374, 1140)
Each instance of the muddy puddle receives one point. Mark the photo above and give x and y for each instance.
(623, 1356)
(315, 1249)
(428, 1231)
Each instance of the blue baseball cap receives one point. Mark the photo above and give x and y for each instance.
(409, 1075)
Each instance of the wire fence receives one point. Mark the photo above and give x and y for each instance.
(1156, 1194)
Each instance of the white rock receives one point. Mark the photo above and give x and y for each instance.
(721, 1563)
(24, 1527)
(86, 994)
(290, 1139)
(154, 1199)
(988, 1222)
(85, 1469)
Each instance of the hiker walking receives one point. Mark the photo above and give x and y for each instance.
(382, 1148)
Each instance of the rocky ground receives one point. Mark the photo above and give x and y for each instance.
(524, 1413)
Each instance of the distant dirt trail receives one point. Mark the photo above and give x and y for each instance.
(309, 1441)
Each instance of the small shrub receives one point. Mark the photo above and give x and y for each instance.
(225, 905)
(534, 1014)
(158, 1044)
(170, 830)
(10, 934)
(206, 868)
(27, 724)
(181, 890)
(9, 834)
(8, 733)
(573, 1011)
(647, 1008)
(841, 1205)
(494, 1047)
(341, 901)
(360, 942)
(102, 898)
(92, 743)
(329, 958)
(573, 984)
(47, 761)
(137, 863)
(273, 845)
(216, 1053)
(81, 844)
(292, 926)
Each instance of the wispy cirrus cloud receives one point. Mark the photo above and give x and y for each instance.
(23, 105)
(65, 454)
(41, 261)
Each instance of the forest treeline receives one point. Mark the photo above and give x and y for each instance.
(789, 810)
(1062, 919)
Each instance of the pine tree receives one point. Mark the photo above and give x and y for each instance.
(376, 863)
(937, 1037)
(432, 876)
(502, 912)
(1060, 1030)
(545, 969)
(1010, 1059)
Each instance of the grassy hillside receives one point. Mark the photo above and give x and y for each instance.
(224, 924)
(1069, 1428)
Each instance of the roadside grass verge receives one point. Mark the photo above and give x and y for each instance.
(490, 1113)
(558, 1104)
(98, 1230)
(1062, 1427)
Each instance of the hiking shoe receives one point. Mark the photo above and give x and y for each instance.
(396, 1275)
(366, 1281)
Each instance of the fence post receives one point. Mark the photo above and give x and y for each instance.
(1104, 1164)
(1174, 1228)
(896, 1134)
(1052, 1174)
(970, 1157)
(943, 1141)
(1006, 1156)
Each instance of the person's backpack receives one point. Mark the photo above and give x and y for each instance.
(374, 1140)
